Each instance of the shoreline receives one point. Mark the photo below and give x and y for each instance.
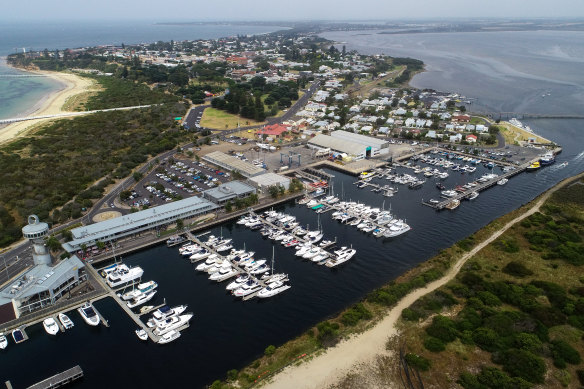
(50, 104)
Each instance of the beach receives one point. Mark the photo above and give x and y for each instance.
(50, 104)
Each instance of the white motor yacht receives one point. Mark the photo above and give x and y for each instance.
(88, 314)
(164, 313)
(200, 255)
(396, 229)
(248, 288)
(223, 274)
(312, 252)
(140, 290)
(51, 326)
(260, 269)
(141, 334)
(502, 181)
(65, 321)
(123, 276)
(172, 323)
(273, 289)
(169, 337)
(239, 281)
(143, 298)
(343, 257)
(208, 263)
(3, 341)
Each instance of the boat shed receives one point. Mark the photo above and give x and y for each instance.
(264, 181)
(228, 191)
(231, 163)
(355, 150)
(374, 146)
(38, 287)
(133, 223)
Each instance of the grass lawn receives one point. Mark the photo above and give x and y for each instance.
(221, 120)
(513, 133)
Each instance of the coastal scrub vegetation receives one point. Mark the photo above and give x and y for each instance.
(58, 171)
(514, 316)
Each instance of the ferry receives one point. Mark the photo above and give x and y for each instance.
(533, 167)
(547, 159)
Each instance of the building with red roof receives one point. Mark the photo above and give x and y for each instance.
(274, 130)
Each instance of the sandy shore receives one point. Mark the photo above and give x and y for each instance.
(51, 104)
(354, 354)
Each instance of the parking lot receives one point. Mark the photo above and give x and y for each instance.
(174, 180)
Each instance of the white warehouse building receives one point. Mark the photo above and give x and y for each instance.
(355, 146)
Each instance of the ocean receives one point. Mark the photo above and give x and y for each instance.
(226, 333)
(19, 96)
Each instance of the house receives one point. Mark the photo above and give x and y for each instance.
(471, 138)
(410, 122)
(481, 128)
(455, 138)
(274, 130)
(461, 118)
(400, 111)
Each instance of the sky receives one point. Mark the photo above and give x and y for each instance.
(197, 10)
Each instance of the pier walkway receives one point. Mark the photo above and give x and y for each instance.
(60, 379)
(480, 187)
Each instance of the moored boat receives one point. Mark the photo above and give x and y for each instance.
(88, 314)
(51, 326)
(65, 321)
(533, 167)
(3, 341)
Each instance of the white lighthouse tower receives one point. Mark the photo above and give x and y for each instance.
(36, 231)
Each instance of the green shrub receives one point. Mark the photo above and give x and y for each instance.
(563, 353)
(528, 342)
(411, 314)
(270, 350)
(327, 333)
(434, 344)
(485, 338)
(523, 364)
(517, 269)
(418, 362)
(354, 314)
(232, 375)
(443, 328)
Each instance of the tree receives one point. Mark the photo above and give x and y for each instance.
(273, 191)
(270, 350)
(228, 207)
(180, 224)
(53, 243)
(137, 176)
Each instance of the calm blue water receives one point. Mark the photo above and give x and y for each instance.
(228, 333)
(18, 96)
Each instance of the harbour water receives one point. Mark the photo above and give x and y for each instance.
(226, 333)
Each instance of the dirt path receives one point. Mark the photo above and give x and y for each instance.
(329, 367)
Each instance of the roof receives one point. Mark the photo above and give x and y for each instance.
(337, 144)
(229, 190)
(274, 129)
(132, 220)
(40, 278)
(270, 179)
(232, 163)
(362, 139)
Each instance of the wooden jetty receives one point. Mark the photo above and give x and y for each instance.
(60, 379)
